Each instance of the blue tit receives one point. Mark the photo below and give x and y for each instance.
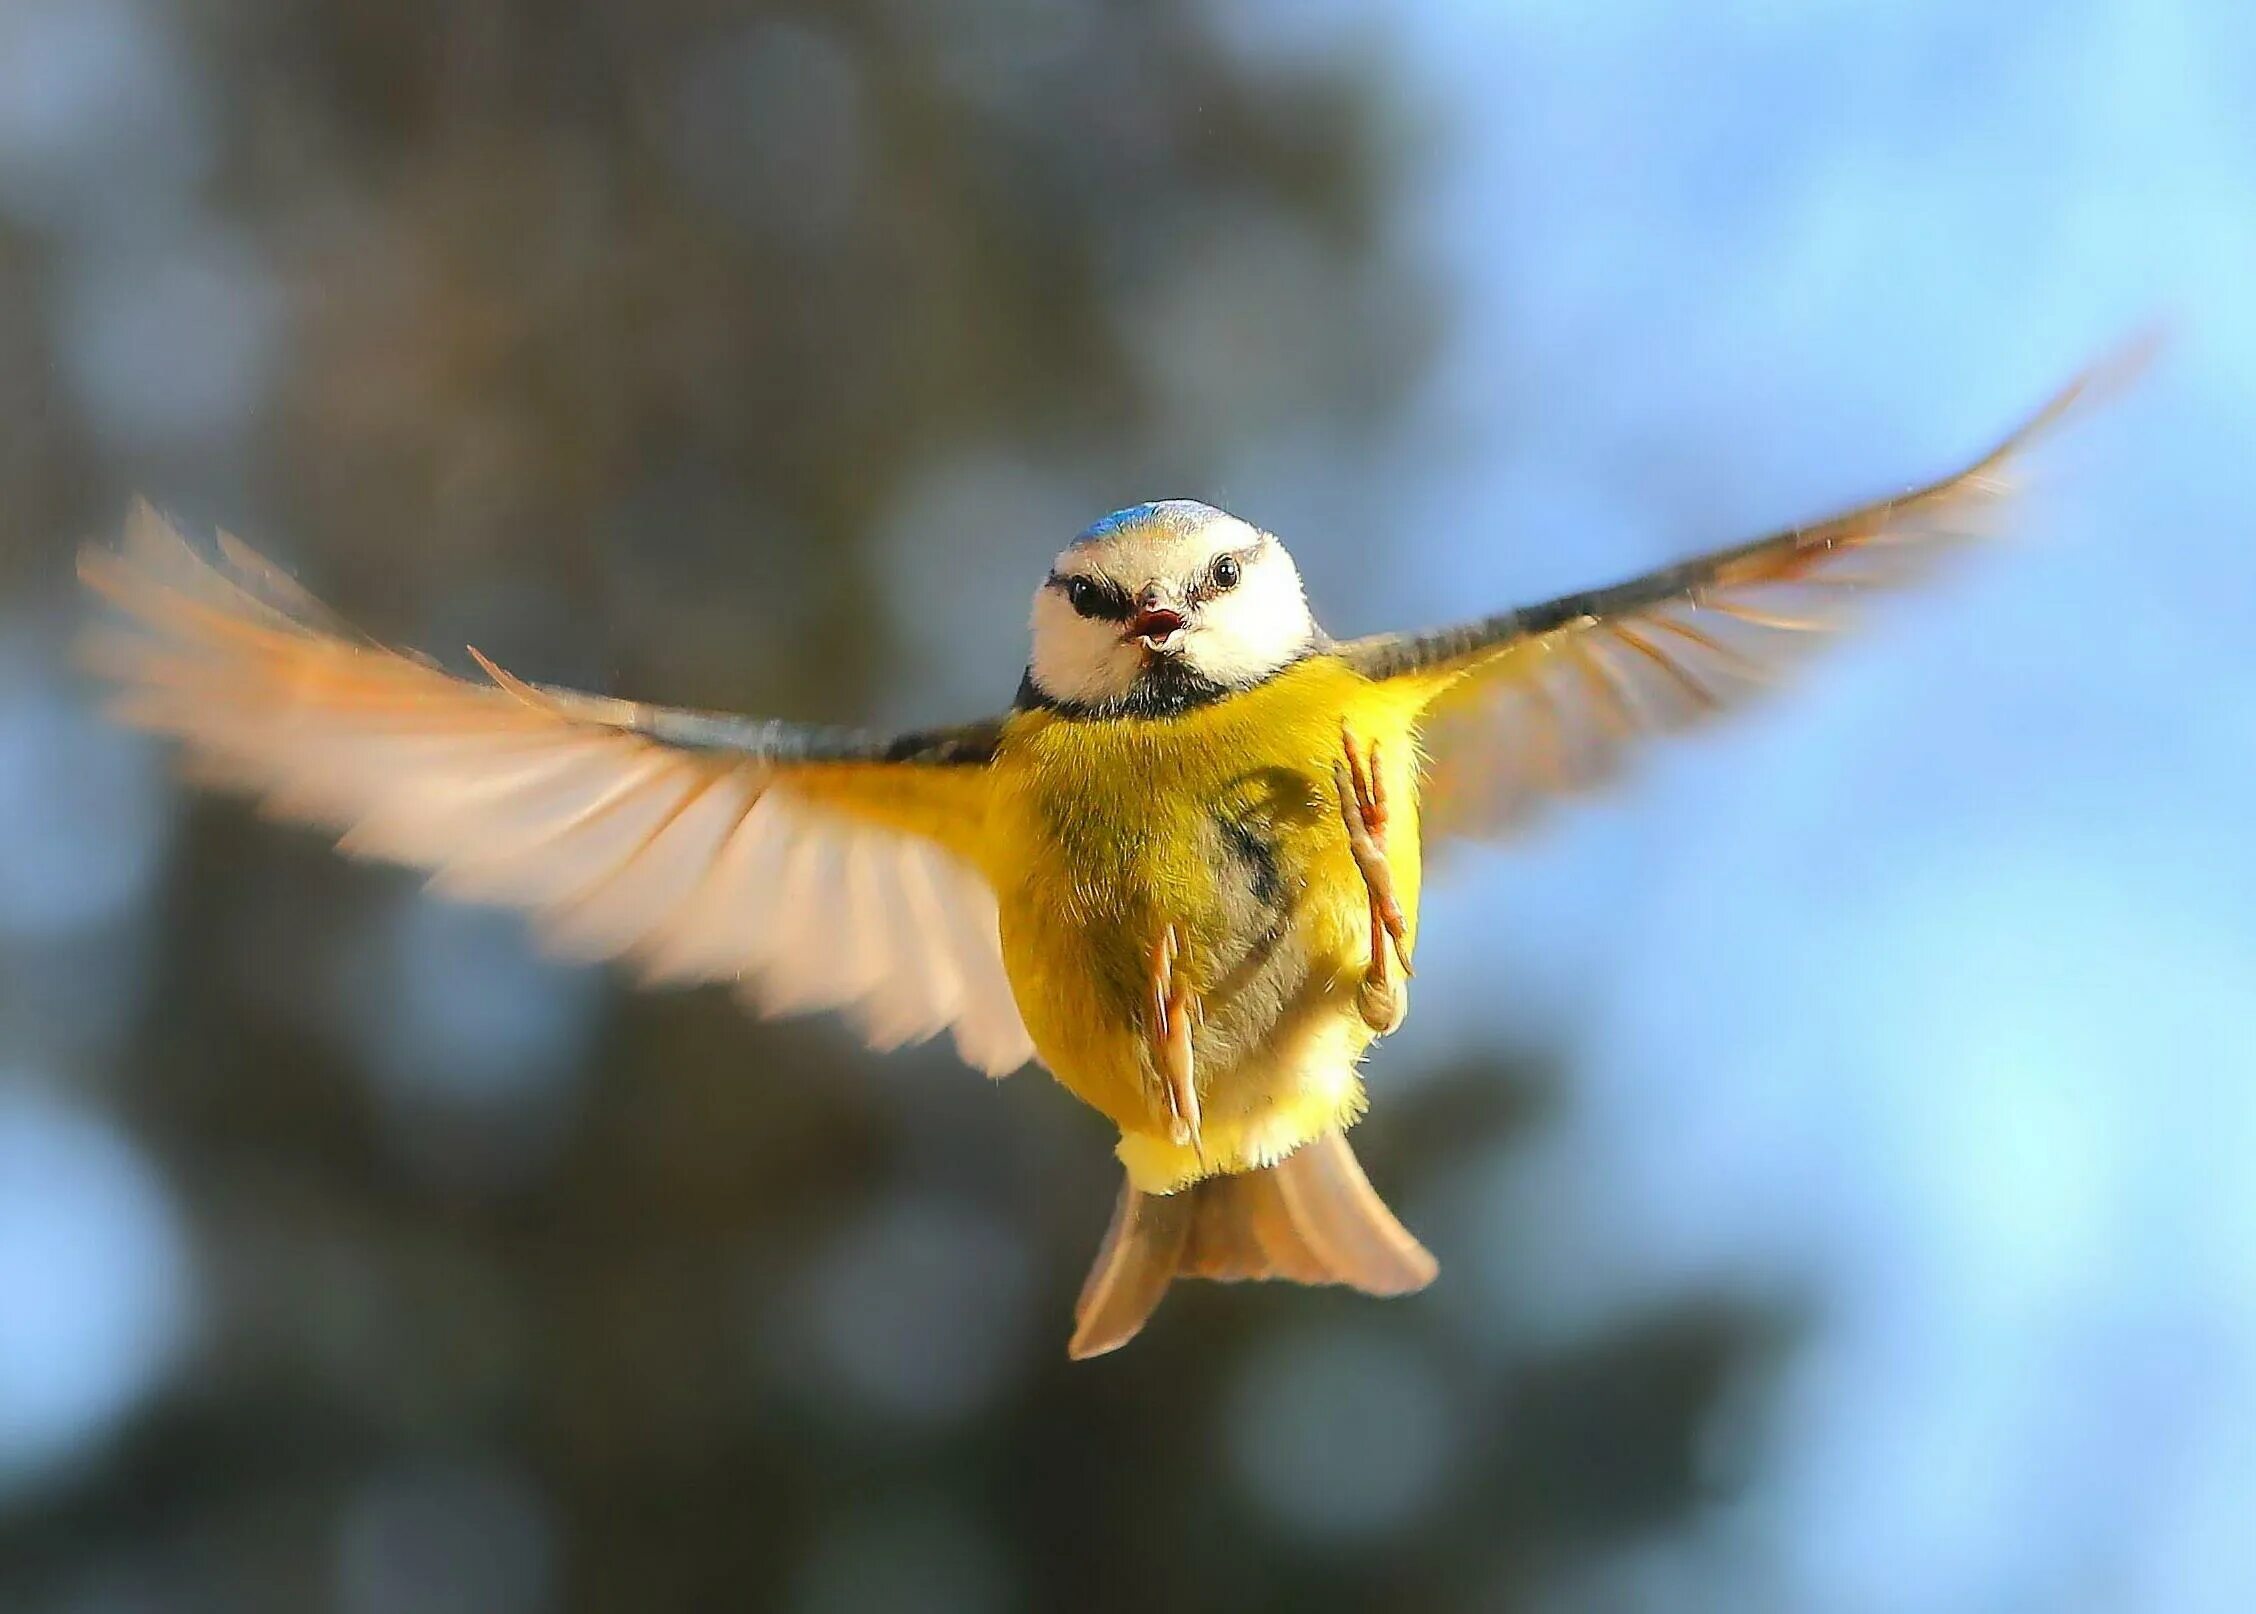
(1181, 870)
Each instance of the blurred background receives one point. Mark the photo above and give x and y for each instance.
(1837, 1147)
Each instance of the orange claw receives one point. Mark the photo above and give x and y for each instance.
(1175, 1015)
(1363, 810)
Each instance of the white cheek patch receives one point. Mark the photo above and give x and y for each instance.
(1258, 627)
(1078, 658)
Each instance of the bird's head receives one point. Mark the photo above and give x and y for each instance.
(1164, 605)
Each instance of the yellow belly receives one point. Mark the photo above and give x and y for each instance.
(1223, 821)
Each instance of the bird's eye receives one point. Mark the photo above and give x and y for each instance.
(1083, 596)
(1226, 572)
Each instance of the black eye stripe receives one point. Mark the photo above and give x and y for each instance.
(1093, 596)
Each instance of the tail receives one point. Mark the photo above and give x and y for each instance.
(1312, 1217)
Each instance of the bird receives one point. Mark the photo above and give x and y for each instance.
(1180, 870)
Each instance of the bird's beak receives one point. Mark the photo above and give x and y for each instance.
(1156, 627)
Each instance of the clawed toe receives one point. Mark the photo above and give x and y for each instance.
(1363, 811)
(1383, 1002)
(1175, 1015)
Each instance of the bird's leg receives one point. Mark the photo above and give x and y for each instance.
(1175, 1015)
(1382, 1000)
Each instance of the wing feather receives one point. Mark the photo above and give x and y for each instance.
(815, 868)
(1554, 698)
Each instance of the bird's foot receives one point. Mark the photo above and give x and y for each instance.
(1382, 1000)
(1175, 1015)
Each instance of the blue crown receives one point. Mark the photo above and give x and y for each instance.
(1181, 515)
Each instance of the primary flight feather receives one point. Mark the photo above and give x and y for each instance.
(1181, 871)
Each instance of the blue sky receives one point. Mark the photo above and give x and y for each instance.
(1924, 994)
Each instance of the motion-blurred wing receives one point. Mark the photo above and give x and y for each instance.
(1549, 699)
(817, 868)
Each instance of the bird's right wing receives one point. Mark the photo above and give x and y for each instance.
(816, 868)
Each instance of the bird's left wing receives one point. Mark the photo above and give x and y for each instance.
(1552, 698)
(817, 868)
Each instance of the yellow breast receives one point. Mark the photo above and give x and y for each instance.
(1223, 821)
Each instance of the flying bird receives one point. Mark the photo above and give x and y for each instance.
(1181, 870)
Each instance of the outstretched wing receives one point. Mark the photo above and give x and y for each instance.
(1549, 699)
(817, 868)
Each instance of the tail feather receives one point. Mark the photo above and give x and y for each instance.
(1311, 1218)
(1134, 1265)
(1343, 1225)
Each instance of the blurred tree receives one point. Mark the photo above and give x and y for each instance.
(617, 335)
